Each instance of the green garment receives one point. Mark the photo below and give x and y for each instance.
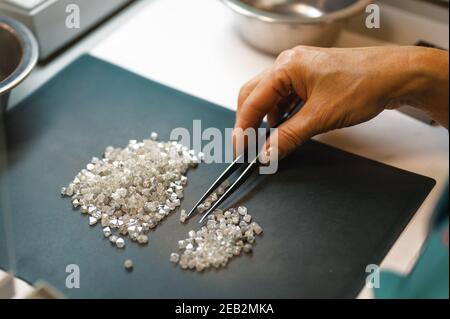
(430, 276)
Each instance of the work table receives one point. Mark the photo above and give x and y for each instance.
(193, 47)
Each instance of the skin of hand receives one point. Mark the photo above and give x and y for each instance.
(343, 87)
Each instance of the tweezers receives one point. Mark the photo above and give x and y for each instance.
(295, 105)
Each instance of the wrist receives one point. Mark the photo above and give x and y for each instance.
(424, 82)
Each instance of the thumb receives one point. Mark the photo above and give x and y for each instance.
(287, 137)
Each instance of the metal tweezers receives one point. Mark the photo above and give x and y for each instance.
(294, 105)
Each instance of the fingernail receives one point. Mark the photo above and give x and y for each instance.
(237, 142)
(265, 157)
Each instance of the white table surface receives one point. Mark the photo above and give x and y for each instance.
(193, 47)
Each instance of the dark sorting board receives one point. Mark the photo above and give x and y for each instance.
(326, 214)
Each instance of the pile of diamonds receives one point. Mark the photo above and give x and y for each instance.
(131, 190)
(209, 200)
(225, 235)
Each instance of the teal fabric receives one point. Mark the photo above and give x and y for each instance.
(430, 276)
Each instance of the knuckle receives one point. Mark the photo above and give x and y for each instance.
(286, 55)
(300, 49)
(241, 95)
(280, 80)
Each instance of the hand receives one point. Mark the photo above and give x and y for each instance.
(343, 87)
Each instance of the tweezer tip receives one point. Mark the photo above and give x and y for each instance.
(191, 212)
(203, 218)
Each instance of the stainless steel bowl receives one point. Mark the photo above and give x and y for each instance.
(276, 25)
(18, 56)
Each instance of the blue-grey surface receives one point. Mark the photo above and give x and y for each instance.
(326, 214)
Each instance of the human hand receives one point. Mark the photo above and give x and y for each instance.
(343, 87)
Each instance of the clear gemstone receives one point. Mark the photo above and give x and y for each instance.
(142, 239)
(92, 221)
(97, 215)
(199, 267)
(113, 238)
(145, 227)
(242, 210)
(177, 202)
(183, 216)
(257, 229)
(226, 183)
(120, 242)
(113, 223)
(248, 248)
(166, 209)
(128, 264)
(122, 192)
(182, 244)
(105, 221)
(107, 231)
(150, 206)
(174, 257)
(69, 191)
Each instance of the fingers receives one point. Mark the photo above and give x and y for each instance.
(272, 87)
(275, 115)
(248, 87)
(245, 91)
(285, 105)
(289, 136)
(261, 96)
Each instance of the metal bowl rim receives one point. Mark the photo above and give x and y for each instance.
(270, 17)
(29, 56)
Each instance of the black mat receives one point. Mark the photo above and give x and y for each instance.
(326, 214)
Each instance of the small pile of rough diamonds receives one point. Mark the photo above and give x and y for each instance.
(132, 189)
(225, 235)
(208, 201)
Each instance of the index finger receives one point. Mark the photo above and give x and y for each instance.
(268, 92)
